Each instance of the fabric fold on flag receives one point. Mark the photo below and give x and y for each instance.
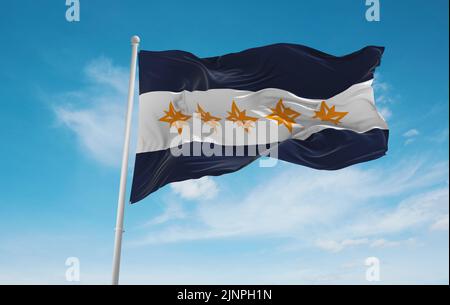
(211, 116)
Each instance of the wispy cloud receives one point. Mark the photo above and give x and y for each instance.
(383, 90)
(385, 112)
(441, 224)
(383, 243)
(383, 96)
(204, 187)
(96, 112)
(418, 210)
(352, 199)
(440, 136)
(173, 211)
(411, 135)
(337, 246)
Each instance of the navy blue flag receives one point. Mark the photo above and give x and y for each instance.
(211, 116)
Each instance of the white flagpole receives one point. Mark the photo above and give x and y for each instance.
(123, 173)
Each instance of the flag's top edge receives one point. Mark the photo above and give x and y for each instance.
(379, 49)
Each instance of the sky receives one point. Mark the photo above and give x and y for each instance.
(63, 99)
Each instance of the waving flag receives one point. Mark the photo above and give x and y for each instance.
(211, 116)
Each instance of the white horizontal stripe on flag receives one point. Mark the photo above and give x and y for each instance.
(358, 101)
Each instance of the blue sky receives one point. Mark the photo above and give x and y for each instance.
(63, 91)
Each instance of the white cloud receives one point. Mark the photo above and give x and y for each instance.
(383, 96)
(98, 130)
(441, 224)
(332, 210)
(410, 136)
(411, 133)
(383, 243)
(337, 246)
(203, 188)
(102, 71)
(385, 112)
(409, 141)
(96, 112)
(412, 212)
(174, 210)
(382, 90)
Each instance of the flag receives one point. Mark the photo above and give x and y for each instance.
(211, 116)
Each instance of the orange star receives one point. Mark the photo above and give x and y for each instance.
(240, 118)
(209, 119)
(175, 118)
(283, 115)
(206, 116)
(329, 114)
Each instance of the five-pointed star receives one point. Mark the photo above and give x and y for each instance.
(283, 115)
(208, 119)
(175, 118)
(329, 114)
(206, 116)
(240, 118)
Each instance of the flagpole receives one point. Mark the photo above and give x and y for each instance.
(123, 173)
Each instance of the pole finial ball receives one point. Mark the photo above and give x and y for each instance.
(135, 39)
